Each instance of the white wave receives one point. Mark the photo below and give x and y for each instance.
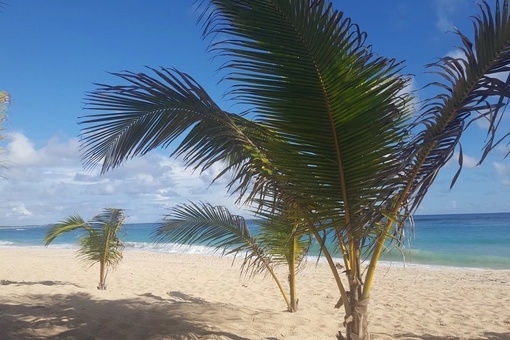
(63, 246)
(171, 248)
(6, 243)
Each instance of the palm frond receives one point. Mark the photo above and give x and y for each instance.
(282, 238)
(101, 244)
(213, 226)
(71, 223)
(471, 89)
(307, 73)
(4, 103)
(478, 87)
(101, 247)
(105, 246)
(109, 221)
(4, 100)
(149, 112)
(154, 111)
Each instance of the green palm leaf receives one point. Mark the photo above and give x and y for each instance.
(475, 86)
(154, 111)
(73, 222)
(479, 83)
(149, 113)
(93, 250)
(283, 239)
(101, 243)
(215, 227)
(4, 103)
(104, 246)
(321, 90)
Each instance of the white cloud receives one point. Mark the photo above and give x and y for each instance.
(456, 54)
(469, 162)
(502, 150)
(453, 205)
(500, 168)
(20, 151)
(502, 172)
(445, 9)
(20, 209)
(45, 184)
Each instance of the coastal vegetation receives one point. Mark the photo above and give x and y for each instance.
(4, 102)
(332, 140)
(276, 242)
(99, 243)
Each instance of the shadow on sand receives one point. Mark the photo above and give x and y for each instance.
(78, 316)
(487, 336)
(31, 283)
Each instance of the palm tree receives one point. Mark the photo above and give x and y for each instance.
(100, 244)
(215, 226)
(330, 135)
(4, 102)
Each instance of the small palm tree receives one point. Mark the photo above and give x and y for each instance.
(285, 240)
(275, 243)
(100, 244)
(4, 102)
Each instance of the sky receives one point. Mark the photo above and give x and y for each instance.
(53, 52)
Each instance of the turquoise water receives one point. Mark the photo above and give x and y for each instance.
(470, 240)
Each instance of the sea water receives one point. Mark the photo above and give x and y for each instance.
(470, 240)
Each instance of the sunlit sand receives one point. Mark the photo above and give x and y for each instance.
(48, 293)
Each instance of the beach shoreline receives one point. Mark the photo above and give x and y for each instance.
(49, 293)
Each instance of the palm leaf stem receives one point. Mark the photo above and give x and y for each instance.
(261, 256)
(278, 283)
(345, 252)
(397, 205)
(72, 223)
(292, 274)
(103, 268)
(215, 226)
(341, 173)
(333, 268)
(379, 246)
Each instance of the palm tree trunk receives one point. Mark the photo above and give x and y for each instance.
(278, 283)
(334, 271)
(356, 326)
(102, 276)
(101, 285)
(292, 276)
(102, 261)
(356, 323)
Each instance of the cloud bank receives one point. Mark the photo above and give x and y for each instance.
(46, 184)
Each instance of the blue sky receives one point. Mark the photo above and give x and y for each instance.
(54, 51)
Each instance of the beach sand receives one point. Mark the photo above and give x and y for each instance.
(48, 293)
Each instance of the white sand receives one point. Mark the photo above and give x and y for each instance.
(49, 294)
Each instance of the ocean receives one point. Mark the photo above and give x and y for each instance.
(467, 240)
